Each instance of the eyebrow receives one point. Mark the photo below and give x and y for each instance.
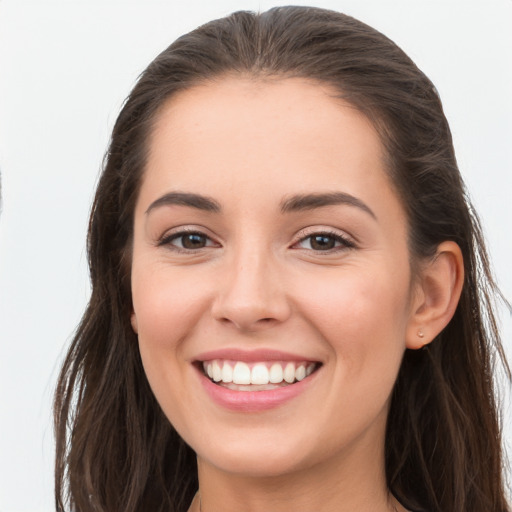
(295, 203)
(186, 199)
(311, 201)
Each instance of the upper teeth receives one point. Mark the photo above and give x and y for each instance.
(239, 372)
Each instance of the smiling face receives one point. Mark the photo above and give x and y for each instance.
(270, 251)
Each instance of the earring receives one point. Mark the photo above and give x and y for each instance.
(421, 334)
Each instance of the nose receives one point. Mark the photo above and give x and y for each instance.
(251, 295)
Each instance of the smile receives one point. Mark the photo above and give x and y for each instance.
(255, 381)
(256, 376)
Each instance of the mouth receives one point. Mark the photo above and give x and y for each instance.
(256, 376)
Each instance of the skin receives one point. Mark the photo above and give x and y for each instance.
(258, 282)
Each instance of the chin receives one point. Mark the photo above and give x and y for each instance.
(255, 463)
(261, 455)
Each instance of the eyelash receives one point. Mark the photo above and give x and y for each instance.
(167, 240)
(344, 242)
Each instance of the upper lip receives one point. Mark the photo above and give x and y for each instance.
(257, 355)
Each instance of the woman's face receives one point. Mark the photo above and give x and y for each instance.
(270, 250)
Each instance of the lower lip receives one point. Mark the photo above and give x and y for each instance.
(254, 401)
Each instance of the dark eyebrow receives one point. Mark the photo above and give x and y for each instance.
(312, 201)
(186, 199)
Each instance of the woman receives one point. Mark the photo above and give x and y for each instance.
(291, 300)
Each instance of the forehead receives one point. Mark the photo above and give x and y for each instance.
(255, 107)
(241, 135)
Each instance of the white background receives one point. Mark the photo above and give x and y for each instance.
(65, 68)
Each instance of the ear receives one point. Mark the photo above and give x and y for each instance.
(133, 321)
(436, 296)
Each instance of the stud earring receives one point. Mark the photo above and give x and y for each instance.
(421, 334)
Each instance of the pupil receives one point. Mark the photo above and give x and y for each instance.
(193, 241)
(322, 242)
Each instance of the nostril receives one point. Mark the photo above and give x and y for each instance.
(248, 324)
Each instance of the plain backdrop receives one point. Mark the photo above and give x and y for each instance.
(65, 69)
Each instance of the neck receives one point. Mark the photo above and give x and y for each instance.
(329, 487)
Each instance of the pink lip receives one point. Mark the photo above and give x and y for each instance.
(258, 355)
(253, 401)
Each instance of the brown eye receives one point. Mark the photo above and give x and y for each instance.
(188, 241)
(325, 242)
(193, 241)
(322, 242)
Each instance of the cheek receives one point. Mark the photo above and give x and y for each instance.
(165, 306)
(363, 317)
(167, 310)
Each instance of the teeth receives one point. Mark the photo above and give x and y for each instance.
(276, 373)
(227, 373)
(300, 372)
(261, 374)
(217, 372)
(241, 373)
(289, 373)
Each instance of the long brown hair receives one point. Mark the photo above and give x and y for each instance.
(115, 448)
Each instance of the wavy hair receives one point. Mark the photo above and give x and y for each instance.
(115, 448)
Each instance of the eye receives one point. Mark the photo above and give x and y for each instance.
(324, 242)
(188, 240)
